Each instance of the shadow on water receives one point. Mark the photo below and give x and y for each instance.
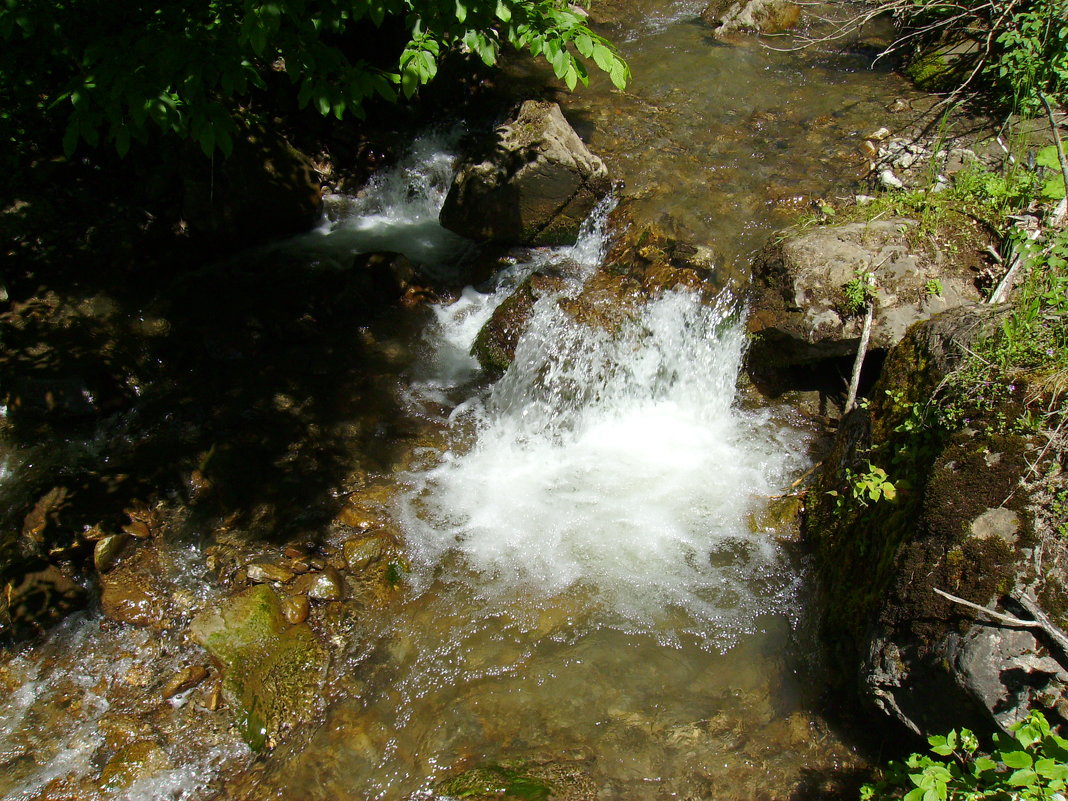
(248, 388)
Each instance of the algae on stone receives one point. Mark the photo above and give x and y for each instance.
(272, 672)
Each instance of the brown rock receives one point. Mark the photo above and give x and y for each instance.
(325, 586)
(108, 550)
(135, 591)
(184, 679)
(362, 550)
(262, 571)
(136, 761)
(295, 608)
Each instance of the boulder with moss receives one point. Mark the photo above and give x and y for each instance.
(272, 671)
(903, 507)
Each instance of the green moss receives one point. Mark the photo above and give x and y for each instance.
(496, 782)
(271, 671)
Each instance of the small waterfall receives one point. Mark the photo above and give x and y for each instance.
(614, 465)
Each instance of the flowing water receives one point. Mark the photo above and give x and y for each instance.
(591, 586)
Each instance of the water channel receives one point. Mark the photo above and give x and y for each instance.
(592, 588)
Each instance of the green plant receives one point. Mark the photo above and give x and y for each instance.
(933, 287)
(859, 291)
(865, 488)
(119, 75)
(1029, 763)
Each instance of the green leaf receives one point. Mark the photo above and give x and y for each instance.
(504, 14)
(70, 138)
(983, 764)
(1017, 759)
(1022, 778)
(571, 77)
(461, 12)
(603, 57)
(619, 75)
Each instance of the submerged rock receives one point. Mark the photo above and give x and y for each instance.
(756, 16)
(519, 779)
(35, 595)
(534, 186)
(133, 762)
(272, 672)
(136, 591)
(965, 520)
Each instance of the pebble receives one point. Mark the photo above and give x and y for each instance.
(325, 586)
(185, 679)
(890, 181)
(261, 572)
(107, 551)
(295, 608)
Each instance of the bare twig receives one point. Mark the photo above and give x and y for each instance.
(1041, 620)
(1062, 207)
(862, 350)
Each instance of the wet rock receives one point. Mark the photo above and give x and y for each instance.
(754, 16)
(272, 672)
(967, 520)
(35, 595)
(799, 312)
(136, 591)
(534, 185)
(361, 551)
(327, 585)
(184, 679)
(295, 608)
(494, 346)
(133, 762)
(263, 571)
(107, 551)
(539, 780)
(121, 730)
(642, 262)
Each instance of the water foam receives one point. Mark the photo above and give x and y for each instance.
(615, 465)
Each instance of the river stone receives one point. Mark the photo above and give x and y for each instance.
(133, 762)
(272, 672)
(260, 572)
(136, 591)
(295, 608)
(327, 585)
(534, 185)
(495, 344)
(756, 16)
(538, 780)
(107, 551)
(184, 679)
(362, 550)
(799, 315)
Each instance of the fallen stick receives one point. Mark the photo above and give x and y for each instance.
(862, 350)
(1041, 621)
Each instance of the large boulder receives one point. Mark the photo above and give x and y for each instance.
(800, 315)
(966, 519)
(533, 185)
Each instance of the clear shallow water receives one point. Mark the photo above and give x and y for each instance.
(588, 585)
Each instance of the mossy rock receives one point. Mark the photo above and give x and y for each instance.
(943, 68)
(130, 763)
(495, 344)
(272, 671)
(520, 780)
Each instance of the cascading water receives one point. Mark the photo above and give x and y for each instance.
(614, 464)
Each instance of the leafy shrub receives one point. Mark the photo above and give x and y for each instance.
(1028, 764)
